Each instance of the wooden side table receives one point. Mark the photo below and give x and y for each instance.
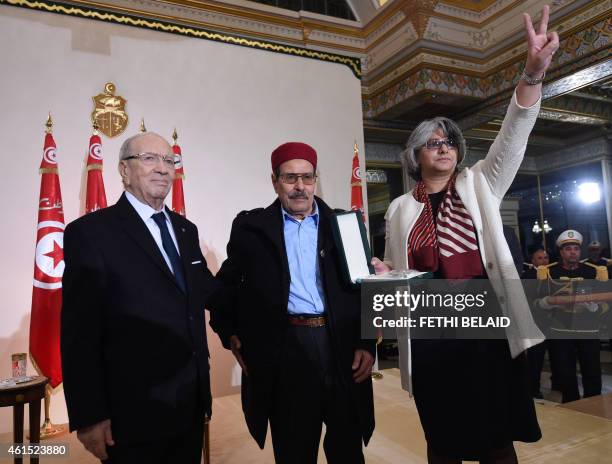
(28, 392)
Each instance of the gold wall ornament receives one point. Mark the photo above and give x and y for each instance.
(143, 128)
(109, 112)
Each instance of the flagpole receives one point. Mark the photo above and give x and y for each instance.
(357, 177)
(178, 206)
(178, 194)
(48, 429)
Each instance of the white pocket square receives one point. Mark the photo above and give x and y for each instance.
(196, 262)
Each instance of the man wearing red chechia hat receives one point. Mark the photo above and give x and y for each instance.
(293, 324)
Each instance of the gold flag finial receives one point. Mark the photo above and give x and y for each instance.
(49, 124)
(355, 149)
(95, 126)
(174, 136)
(142, 126)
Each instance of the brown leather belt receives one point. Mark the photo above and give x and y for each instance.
(307, 321)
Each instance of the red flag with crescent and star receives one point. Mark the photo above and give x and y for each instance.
(356, 193)
(178, 197)
(48, 270)
(96, 197)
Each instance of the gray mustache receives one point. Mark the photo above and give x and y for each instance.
(295, 195)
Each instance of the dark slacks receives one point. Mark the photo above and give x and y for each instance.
(535, 356)
(310, 392)
(184, 448)
(565, 353)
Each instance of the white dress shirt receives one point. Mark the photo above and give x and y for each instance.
(145, 212)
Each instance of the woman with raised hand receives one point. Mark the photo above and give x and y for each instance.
(472, 396)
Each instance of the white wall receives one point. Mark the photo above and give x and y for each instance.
(231, 106)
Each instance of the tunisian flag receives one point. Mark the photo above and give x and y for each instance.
(356, 193)
(96, 198)
(178, 197)
(48, 271)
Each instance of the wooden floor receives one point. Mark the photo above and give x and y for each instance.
(574, 433)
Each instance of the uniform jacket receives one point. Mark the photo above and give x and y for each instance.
(572, 319)
(133, 344)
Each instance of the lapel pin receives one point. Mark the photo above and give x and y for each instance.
(183, 229)
(322, 253)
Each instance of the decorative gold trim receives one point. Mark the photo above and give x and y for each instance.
(295, 24)
(386, 34)
(48, 171)
(552, 109)
(386, 129)
(157, 25)
(186, 21)
(380, 19)
(383, 164)
(552, 26)
(482, 23)
(377, 21)
(93, 167)
(476, 7)
(347, 48)
(268, 17)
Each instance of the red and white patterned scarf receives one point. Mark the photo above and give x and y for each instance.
(449, 244)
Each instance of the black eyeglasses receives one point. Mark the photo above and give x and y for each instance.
(151, 159)
(291, 178)
(436, 144)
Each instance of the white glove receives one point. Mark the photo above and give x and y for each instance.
(590, 306)
(544, 304)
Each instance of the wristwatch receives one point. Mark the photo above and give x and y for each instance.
(531, 80)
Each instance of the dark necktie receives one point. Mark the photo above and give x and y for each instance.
(168, 244)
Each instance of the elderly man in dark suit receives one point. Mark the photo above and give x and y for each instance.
(294, 325)
(134, 351)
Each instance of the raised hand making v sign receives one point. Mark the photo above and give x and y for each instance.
(541, 46)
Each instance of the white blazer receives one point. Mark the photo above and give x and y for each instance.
(481, 188)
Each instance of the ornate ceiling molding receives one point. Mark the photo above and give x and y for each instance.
(456, 47)
(574, 77)
(180, 29)
(577, 50)
(586, 152)
(470, 49)
(419, 13)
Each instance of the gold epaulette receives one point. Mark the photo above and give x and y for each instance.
(543, 272)
(602, 272)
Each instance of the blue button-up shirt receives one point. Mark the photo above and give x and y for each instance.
(306, 288)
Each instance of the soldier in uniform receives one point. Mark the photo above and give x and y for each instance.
(538, 258)
(535, 354)
(595, 256)
(604, 267)
(574, 327)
